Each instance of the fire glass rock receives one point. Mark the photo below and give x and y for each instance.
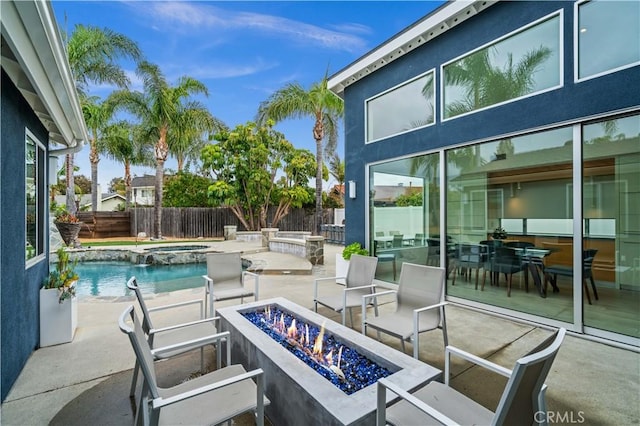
(357, 370)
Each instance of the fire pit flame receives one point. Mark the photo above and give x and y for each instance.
(319, 351)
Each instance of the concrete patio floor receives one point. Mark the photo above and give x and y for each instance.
(86, 382)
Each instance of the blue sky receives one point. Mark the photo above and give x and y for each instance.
(242, 51)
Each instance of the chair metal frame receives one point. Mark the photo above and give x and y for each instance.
(173, 334)
(359, 281)
(154, 398)
(513, 406)
(414, 332)
(236, 283)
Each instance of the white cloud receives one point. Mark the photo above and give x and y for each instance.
(190, 18)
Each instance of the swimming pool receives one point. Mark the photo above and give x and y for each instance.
(110, 278)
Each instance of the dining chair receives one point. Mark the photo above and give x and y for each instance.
(419, 306)
(469, 257)
(226, 280)
(359, 281)
(211, 398)
(522, 401)
(552, 270)
(174, 334)
(504, 261)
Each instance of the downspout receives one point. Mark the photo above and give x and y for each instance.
(70, 198)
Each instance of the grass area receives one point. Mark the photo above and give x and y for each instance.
(132, 242)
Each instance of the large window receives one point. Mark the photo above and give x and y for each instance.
(401, 109)
(608, 36)
(519, 65)
(611, 212)
(523, 186)
(404, 213)
(34, 197)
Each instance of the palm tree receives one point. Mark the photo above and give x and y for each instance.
(159, 108)
(336, 168)
(96, 115)
(93, 53)
(189, 135)
(120, 143)
(319, 103)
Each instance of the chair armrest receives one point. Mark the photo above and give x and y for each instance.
(317, 280)
(364, 305)
(452, 350)
(184, 324)
(194, 344)
(256, 282)
(207, 279)
(162, 402)
(362, 287)
(180, 305)
(426, 308)
(384, 384)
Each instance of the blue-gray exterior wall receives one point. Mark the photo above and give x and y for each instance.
(612, 92)
(19, 290)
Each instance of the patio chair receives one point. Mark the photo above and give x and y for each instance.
(419, 306)
(505, 261)
(358, 282)
(522, 401)
(212, 398)
(174, 334)
(225, 280)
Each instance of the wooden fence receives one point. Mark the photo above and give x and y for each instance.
(191, 222)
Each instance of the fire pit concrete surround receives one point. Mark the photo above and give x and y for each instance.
(299, 395)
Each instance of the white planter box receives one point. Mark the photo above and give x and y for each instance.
(342, 267)
(58, 321)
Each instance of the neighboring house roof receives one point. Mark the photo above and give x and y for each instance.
(33, 57)
(85, 199)
(442, 19)
(143, 181)
(391, 192)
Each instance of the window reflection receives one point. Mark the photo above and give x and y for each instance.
(404, 214)
(519, 65)
(602, 45)
(404, 108)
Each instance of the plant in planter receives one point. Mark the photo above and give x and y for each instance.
(499, 234)
(63, 278)
(354, 248)
(58, 304)
(69, 226)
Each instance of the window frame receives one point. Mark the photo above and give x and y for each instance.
(40, 174)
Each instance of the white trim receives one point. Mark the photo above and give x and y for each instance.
(451, 14)
(559, 14)
(30, 30)
(578, 290)
(381, 94)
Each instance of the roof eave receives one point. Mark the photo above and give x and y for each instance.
(41, 71)
(423, 31)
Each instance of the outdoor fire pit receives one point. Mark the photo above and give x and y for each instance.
(311, 385)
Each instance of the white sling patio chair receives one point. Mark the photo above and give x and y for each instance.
(522, 402)
(419, 306)
(173, 334)
(225, 279)
(358, 282)
(212, 398)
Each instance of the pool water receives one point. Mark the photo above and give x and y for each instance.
(110, 278)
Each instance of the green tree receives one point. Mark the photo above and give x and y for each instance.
(319, 103)
(185, 189)
(93, 55)
(159, 108)
(117, 186)
(337, 170)
(411, 199)
(246, 163)
(122, 142)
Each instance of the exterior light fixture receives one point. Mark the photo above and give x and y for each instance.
(352, 189)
